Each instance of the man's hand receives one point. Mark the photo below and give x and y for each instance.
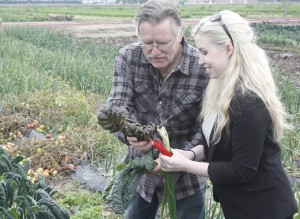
(156, 170)
(139, 145)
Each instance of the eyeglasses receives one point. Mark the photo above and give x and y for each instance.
(218, 17)
(164, 48)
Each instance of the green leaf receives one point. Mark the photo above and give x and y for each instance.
(16, 160)
(14, 213)
(121, 166)
(5, 213)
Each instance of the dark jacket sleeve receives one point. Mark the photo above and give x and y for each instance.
(249, 124)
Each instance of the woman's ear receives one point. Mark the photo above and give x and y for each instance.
(229, 49)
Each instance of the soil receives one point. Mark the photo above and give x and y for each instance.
(285, 59)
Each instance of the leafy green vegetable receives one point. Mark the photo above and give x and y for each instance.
(20, 198)
(122, 188)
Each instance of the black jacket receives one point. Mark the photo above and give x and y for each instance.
(245, 166)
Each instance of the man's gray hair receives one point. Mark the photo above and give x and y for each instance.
(156, 11)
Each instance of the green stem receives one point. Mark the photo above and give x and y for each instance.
(169, 189)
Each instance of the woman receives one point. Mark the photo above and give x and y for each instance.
(243, 120)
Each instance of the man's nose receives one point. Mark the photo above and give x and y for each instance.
(155, 50)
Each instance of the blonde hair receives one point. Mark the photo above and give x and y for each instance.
(248, 70)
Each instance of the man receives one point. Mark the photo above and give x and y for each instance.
(159, 80)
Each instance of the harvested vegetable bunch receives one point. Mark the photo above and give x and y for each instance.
(122, 188)
(115, 118)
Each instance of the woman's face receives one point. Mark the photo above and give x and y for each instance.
(212, 57)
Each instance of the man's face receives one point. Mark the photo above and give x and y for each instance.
(159, 43)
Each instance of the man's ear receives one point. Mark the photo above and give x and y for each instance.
(180, 35)
(229, 49)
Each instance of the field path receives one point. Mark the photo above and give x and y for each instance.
(96, 29)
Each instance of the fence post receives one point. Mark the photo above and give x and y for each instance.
(285, 10)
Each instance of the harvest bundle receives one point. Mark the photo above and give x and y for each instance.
(122, 188)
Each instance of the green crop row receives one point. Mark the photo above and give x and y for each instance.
(40, 59)
(127, 12)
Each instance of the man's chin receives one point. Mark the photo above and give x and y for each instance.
(159, 64)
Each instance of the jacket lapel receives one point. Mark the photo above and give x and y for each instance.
(212, 146)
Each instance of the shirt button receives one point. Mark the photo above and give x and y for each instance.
(160, 102)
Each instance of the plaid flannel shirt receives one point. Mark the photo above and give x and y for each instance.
(175, 102)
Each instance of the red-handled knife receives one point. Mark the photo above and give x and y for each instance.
(161, 148)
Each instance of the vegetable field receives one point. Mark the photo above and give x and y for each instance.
(53, 84)
(127, 12)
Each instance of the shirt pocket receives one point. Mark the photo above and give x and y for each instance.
(144, 101)
(185, 108)
(261, 182)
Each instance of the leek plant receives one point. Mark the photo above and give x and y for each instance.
(169, 189)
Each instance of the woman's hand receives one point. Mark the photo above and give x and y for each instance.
(175, 163)
(139, 145)
(180, 162)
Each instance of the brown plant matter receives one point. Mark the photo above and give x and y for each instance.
(116, 118)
